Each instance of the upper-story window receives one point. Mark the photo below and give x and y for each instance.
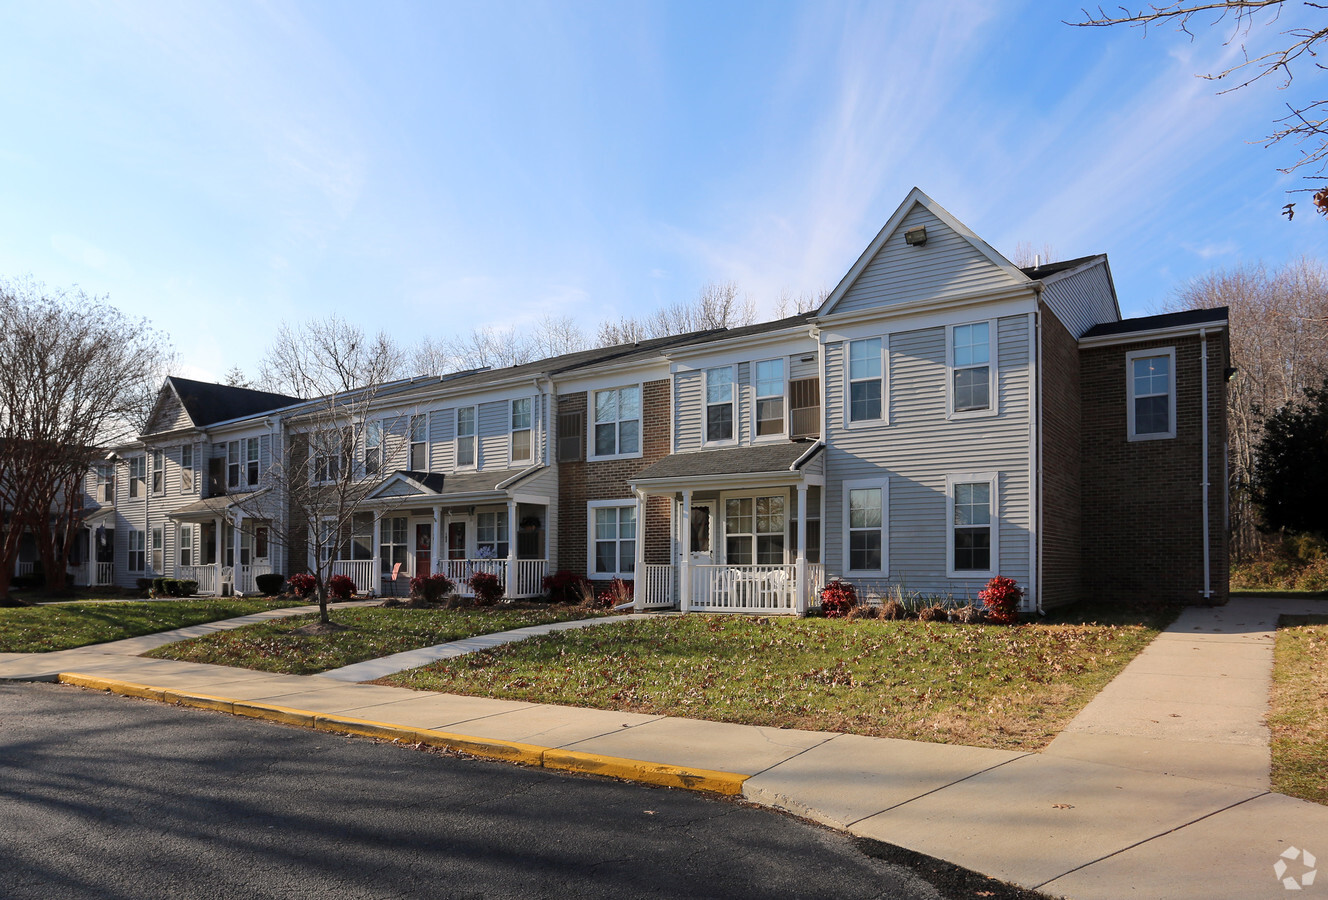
(158, 471)
(233, 464)
(866, 380)
(105, 483)
(465, 437)
(521, 431)
(137, 476)
(769, 397)
(419, 443)
(373, 447)
(971, 387)
(719, 404)
(1152, 394)
(251, 461)
(618, 421)
(187, 468)
(327, 449)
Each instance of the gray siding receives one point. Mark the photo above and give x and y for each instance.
(442, 430)
(494, 425)
(1082, 300)
(799, 369)
(948, 265)
(689, 409)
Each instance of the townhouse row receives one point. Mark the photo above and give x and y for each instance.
(944, 417)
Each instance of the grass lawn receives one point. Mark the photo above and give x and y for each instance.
(373, 632)
(1299, 717)
(988, 686)
(38, 629)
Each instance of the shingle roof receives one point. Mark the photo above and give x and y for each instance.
(461, 483)
(212, 505)
(1052, 268)
(208, 403)
(761, 459)
(1214, 316)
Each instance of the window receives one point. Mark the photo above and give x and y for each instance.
(137, 467)
(260, 541)
(612, 539)
(419, 443)
(157, 544)
(1152, 394)
(769, 397)
(618, 421)
(359, 542)
(251, 461)
(972, 535)
(865, 380)
(327, 448)
(137, 556)
(233, 464)
(186, 545)
(105, 484)
(754, 530)
(521, 450)
(465, 439)
(865, 547)
(491, 535)
(187, 469)
(392, 546)
(373, 447)
(719, 404)
(571, 429)
(327, 540)
(158, 472)
(970, 367)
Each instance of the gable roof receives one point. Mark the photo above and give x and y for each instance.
(208, 403)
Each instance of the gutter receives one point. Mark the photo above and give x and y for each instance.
(811, 451)
(1203, 391)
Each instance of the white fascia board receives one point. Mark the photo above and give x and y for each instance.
(740, 352)
(656, 486)
(1153, 334)
(931, 314)
(791, 332)
(618, 376)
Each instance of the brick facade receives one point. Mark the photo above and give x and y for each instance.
(1142, 500)
(1061, 466)
(582, 481)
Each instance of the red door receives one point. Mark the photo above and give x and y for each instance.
(423, 546)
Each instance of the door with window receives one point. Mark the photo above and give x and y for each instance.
(423, 548)
(700, 549)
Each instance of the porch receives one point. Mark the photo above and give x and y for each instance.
(769, 589)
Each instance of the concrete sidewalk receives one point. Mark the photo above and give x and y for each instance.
(1157, 789)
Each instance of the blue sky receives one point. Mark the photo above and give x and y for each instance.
(427, 168)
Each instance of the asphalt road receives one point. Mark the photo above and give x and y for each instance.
(109, 797)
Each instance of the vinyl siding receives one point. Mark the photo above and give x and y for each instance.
(689, 409)
(1082, 300)
(442, 431)
(494, 426)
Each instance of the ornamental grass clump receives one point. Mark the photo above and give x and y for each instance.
(837, 599)
(1001, 598)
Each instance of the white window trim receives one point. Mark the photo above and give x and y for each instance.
(847, 392)
(411, 442)
(706, 404)
(337, 453)
(191, 468)
(972, 478)
(157, 472)
(757, 396)
(512, 430)
(374, 428)
(1130, 357)
(719, 525)
(141, 463)
(143, 540)
(257, 461)
(993, 369)
(591, 455)
(593, 505)
(474, 463)
(859, 484)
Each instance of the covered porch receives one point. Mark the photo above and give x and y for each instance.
(745, 530)
(222, 545)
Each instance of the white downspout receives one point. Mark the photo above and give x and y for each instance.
(1035, 544)
(1203, 389)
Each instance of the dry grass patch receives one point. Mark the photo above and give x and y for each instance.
(1299, 717)
(987, 686)
(41, 629)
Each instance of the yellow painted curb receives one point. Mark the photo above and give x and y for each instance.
(271, 712)
(488, 748)
(124, 688)
(365, 728)
(726, 783)
(200, 701)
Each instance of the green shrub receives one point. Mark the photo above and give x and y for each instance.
(144, 584)
(188, 588)
(270, 584)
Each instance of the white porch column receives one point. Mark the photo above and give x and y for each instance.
(800, 576)
(685, 564)
(221, 559)
(375, 584)
(436, 541)
(236, 583)
(640, 587)
(510, 585)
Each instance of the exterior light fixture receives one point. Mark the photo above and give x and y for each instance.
(916, 237)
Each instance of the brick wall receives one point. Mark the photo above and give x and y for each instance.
(1061, 469)
(1142, 500)
(580, 482)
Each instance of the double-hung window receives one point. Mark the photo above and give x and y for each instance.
(491, 535)
(158, 471)
(392, 544)
(137, 551)
(866, 548)
(157, 544)
(1152, 394)
(613, 538)
(971, 384)
(521, 431)
(137, 474)
(972, 533)
(326, 449)
(754, 529)
(419, 443)
(618, 422)
(187, 469)
(373, 447)
(251, 461)
(769, 397)
(465, 437)
(866, 380)
(186, 545)
(719, 404)
(359, 541)
(105, 483)
(233, 464)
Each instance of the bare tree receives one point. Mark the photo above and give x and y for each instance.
(235, 377)
(1305, 123)
(328, 355)
(1279, 345)
(72, 380)
(790, 304)
(557, 335)
(719, 305)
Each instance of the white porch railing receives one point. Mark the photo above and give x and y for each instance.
(77, 576)
(654, 589)
(360, 571)
(815, 581)
(244, 583)
(24, 568)
(206, 576)
(105, 574)
(529, 581)
(744, 588)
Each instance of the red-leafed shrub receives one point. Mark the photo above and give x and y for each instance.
(1001, 597)
(488, 588)
(837, 598)
(340, 587)
(565, 586)
(431, 588)
(303, 584)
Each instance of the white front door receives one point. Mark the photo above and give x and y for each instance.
(701, 549)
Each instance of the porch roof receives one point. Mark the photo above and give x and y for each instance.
(212, 507)
(780, 462)
(450, 486)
